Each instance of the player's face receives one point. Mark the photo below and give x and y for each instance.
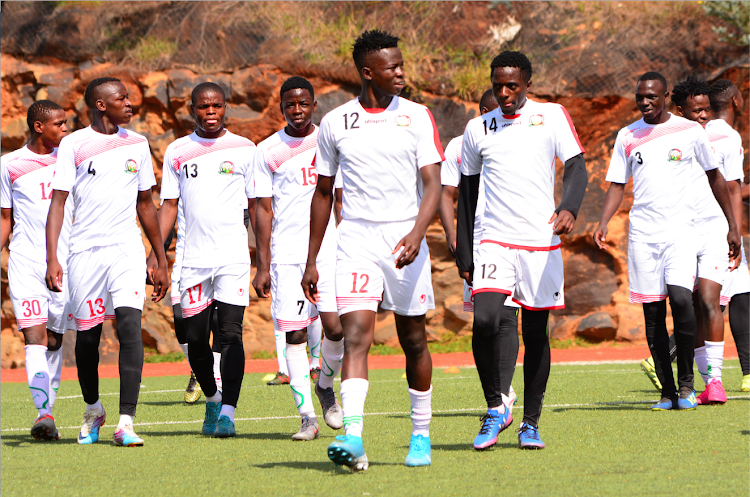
(54, 128)
(208, 112)
(386, 71)
(697, 108)
(298, 106)
(117, 106)
(650, 97)
(509, 89)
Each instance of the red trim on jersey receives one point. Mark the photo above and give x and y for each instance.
(98, 143)
(195, 148)
(714, 137)
(639, 298)
(637, 137)
(511, 116)
(28, 323)
(724, 300)
(490, 290)
(523, 247)
(528, 307)
(289, 326)
(572, 128)
(87, 324)
(468, 307)
(18, 166)
(281, 152)
(436, 135)
(192, 311)
(373, 111)
(175, 300)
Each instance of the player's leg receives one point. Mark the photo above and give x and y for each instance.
(282, 375)
(299, 381)
(739, 323)
(54, 363)
(709, 343)
(130, 367)
(193, 390)
(314, 342)
(332, 355)
(216, 348)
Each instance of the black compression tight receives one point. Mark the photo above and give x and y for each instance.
(655, 315)
(130, 360)
(739, 323)
(536, 363)
(495, 344)
(229, 335)
(179, 327)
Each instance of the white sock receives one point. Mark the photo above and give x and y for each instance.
(37, 374)
(715, 359)
(215, 397)
(299, 378)
(701, 362)
(124, 420)
(421, 411)
(217, 369)
(332, 353)
(227, 411)
(184, 348)
(280, 337)
(54, 362)
(96, 406)
(314, 336)
(353, 395)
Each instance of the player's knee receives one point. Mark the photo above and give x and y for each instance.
(332, 326)
(681, 299)
(128, 325)
(35, 335)
(413, 341)
(54, 340)
(296, 337)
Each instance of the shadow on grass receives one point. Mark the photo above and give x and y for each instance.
(17, 440)
(197, 432)
(166, 403)
(322, 466)
(745, 432)
(467, 447)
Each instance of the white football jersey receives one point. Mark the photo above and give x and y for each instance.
(450, 175)
(516, 155)
(179, 245)
(26, 186)
(103, 174)
(726, 144)
(214, 179)
(380, 153)
(660, 160)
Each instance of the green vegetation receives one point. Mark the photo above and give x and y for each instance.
(152, 356)
(601, 440)
(736, 14)
(263, 354)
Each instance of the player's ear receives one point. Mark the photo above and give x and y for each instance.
(191, 109)
(366, 73)
(678, 110)
(100, 105)
(528, 85)
(38, 127)
(315, 105)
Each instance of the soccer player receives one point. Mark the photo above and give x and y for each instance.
(727, 103)
(25, 177)
(450, 176)
(210, 171)
(658, 152)
(514, 148)
(285, 180)
(384, 145)
(108, 171)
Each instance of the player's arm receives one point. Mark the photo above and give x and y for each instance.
(745, 191)
(252, 205)
(338, 204)
(263, 226)
(735, 196)
(55, 217)
(575, 180)
(445, 210)
(410, 244)
(320, 213)
(146, 211)
(5, 225)
(721, 193)
(166, 216)
(612, 201)
(468, 193)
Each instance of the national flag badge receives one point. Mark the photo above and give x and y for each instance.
(675, 155)
(402, 121)
(131, 166)
(536, 120)
(226, 167)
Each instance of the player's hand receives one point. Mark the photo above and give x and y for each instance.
(563, 222)
(262, 283)
(151, 265)
(734, 249)
(452, 245)
(160, 282)
(466, 276)
(410, 249)
(310, 284)
(54, 276)
(600, 236)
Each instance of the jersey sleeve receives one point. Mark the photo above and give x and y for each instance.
(250, 172)
(429, 148)
(567, 144)
(65, 167)
(327, 155)
(338, 181)
(146, 178)
(263, 175)
(619, 167)
(471, 160)
(732, 159)
(6, 198)
(170, 179)
(450, 174)
(703, 152)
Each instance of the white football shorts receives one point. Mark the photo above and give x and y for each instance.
(199, 287)
(712, 250)
(105, 278)
(653, 266)
(736, 282)
(290, 310)
(174, 290)
(33, 303)
(533, 279)
(366, 270)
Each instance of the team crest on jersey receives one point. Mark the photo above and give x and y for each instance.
(403, 121)
(556, 296)
(226, 167)
(675, 155)
(536, 120)
(131, 166)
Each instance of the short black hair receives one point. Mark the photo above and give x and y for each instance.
(91, 95)
(206, 87)
(296, 82)
(691, 87)
(654, 76)
(487, 100)
(720, 93)
(41, 110)
(513, 59)
(371, 41)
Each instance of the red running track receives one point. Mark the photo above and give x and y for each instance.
(602, 353)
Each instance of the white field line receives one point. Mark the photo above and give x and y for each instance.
(392, 413)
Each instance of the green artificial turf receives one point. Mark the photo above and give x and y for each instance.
(601, 440)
